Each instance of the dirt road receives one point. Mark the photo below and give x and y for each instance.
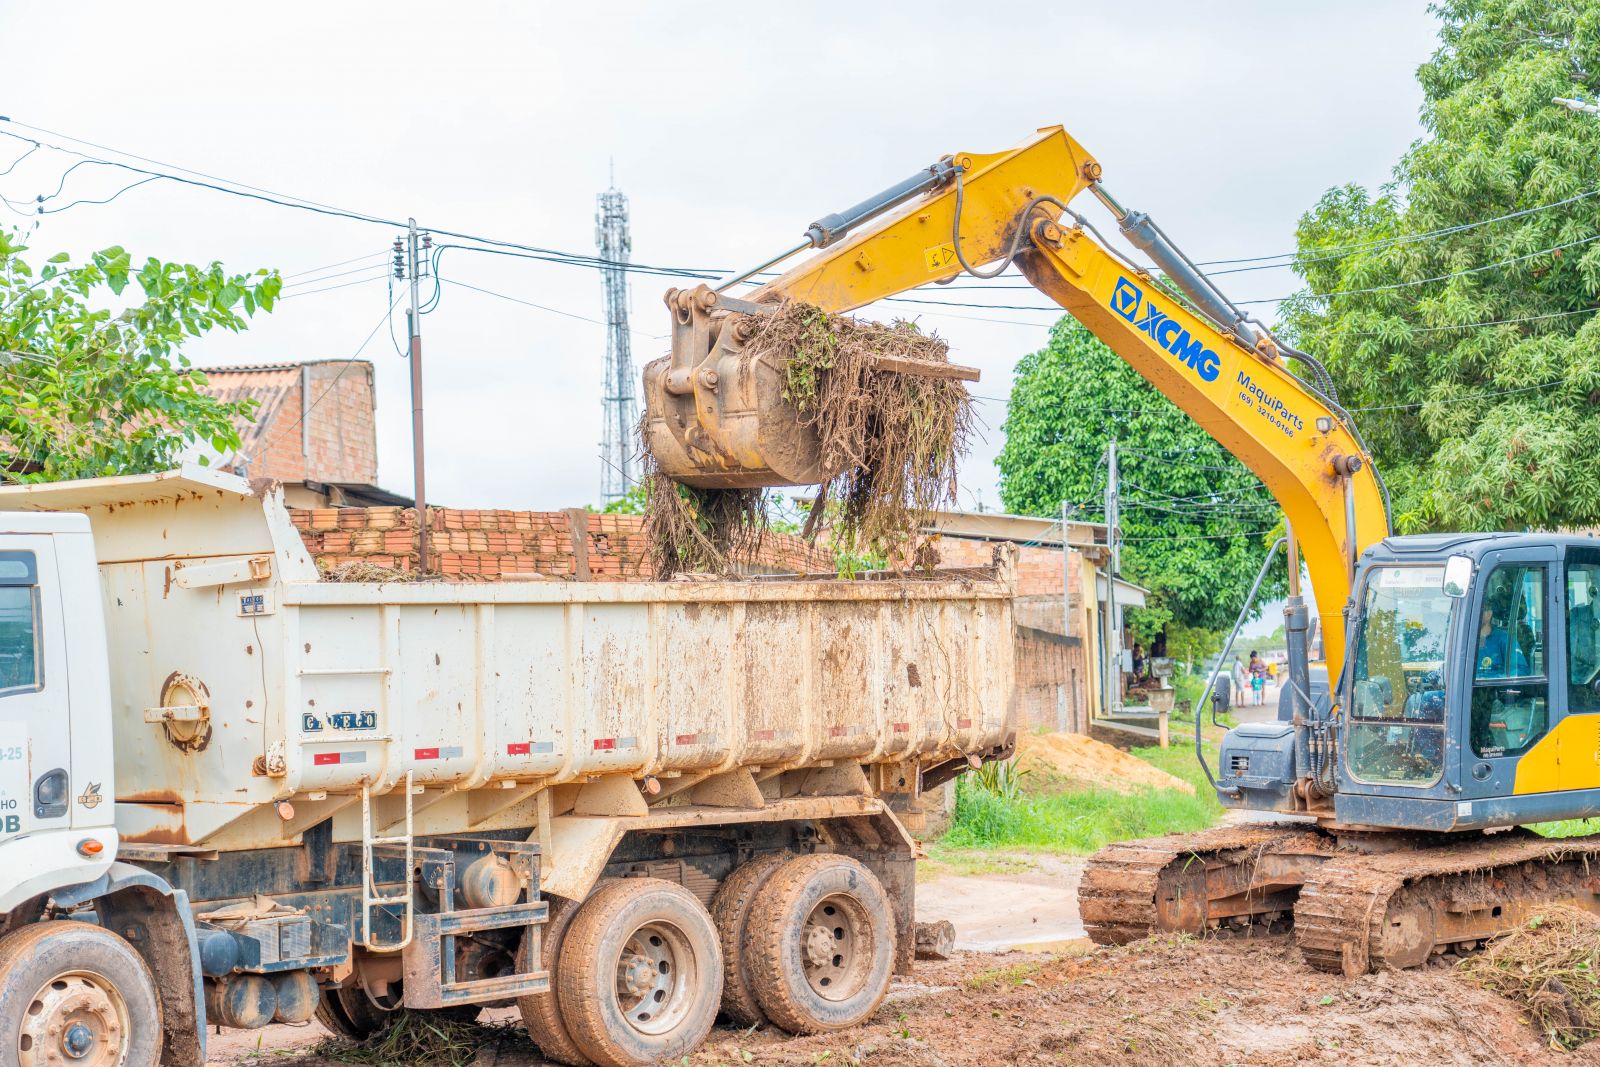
(1175, 1003)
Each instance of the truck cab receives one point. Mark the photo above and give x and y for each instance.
(56, 770)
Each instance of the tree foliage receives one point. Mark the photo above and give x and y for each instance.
(1475, 426)
(1195, 522)
(93, 386)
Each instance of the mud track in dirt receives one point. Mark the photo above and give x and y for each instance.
(1180, 1003)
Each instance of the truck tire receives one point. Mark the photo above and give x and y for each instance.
(730, 910)
(641, 973)
(335, 1019)
(821, 945)
(73, 992)
(541, 1012)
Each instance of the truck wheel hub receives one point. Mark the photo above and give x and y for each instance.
(77, 1019)
(638, 976)
(819, 945)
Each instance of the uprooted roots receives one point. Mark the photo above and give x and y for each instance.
(1551, 966)
(894, 437)
(706, 531)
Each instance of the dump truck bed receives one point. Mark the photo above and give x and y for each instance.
(252, 698)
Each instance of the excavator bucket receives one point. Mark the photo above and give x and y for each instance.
(715, 416)
(715, 413)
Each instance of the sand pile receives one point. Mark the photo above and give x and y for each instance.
(1080, 758)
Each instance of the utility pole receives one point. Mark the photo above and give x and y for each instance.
(415, 247)
(621, 408)
(1066, 576)
(1111, 642)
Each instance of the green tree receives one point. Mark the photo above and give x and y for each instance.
(1465, 340)
(1195, 522)
(91, 385)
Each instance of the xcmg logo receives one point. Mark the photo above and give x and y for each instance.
(1129, 302)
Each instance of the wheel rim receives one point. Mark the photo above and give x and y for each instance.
(77, 1019)
(836, 947)
(656, 978)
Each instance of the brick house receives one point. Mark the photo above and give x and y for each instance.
(315, 430)
(1060, 650)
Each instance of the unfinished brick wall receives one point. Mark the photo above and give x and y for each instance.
(486, 545)
(1038, 566)
(314, 421)
(1052, 683)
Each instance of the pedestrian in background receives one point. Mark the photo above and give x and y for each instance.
(1241, 680)
(1258, 678)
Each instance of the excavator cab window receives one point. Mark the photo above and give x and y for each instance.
(1510, 692)
(1397, 697)
(1583, 631)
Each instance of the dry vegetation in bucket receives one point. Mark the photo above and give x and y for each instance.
(895, 439)
(1551, 967)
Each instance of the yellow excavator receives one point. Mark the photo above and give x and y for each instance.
(1465, 668)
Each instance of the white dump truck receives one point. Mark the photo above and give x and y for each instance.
(233, 792)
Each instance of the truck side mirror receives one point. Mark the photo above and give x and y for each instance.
(1457, 576)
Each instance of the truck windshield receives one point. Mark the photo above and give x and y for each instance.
(1397, 694)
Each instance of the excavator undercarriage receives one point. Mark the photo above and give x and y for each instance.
(1358, 901)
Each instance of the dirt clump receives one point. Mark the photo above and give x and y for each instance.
(360, 570)
(1080, 759)
(1551, 966)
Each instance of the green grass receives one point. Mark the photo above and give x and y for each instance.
(1080, 821)
(1566, 828)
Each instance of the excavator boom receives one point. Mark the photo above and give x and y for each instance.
(733, 427)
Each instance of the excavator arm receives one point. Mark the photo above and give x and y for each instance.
(716, 419)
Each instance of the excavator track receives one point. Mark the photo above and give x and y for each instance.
(1189, 882)
(1388, 910)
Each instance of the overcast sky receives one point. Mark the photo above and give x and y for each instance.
(731, 127)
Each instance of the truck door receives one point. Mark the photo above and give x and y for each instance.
(1508, 635)
(35, 743)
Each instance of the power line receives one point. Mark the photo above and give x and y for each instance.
(1339, 251)
(306, 410)
(1425, 281)
(330, 288)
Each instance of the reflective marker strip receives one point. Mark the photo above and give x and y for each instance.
(528, 748)
(606, 744)
(764, 735)
(452, 752)
(323, 759)
(902, 728)
(696, 739)
(963, 724)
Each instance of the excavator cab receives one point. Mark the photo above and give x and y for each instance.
(1470, 696)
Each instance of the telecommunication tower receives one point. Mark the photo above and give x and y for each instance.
(617, 469)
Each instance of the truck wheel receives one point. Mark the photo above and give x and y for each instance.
(72, 992)
(821, 944)
(334, 1019)
(641, 973)
(730, 910)
(541, 1012)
